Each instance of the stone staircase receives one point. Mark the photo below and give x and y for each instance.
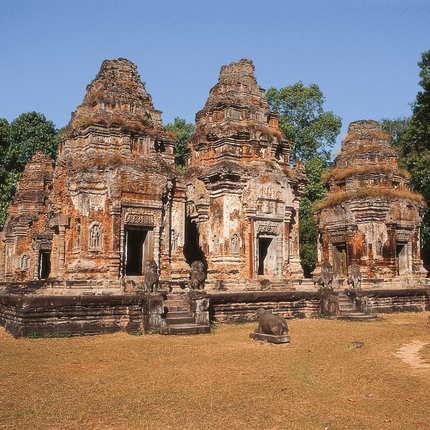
(179, 319)
(348, 310)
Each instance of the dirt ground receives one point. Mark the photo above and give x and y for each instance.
(334, 375)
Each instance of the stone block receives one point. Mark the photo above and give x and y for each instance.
(284, 338)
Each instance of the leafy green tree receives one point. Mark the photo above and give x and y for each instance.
(182, 132)
(411, 138)
(19, 140)
(313, 132)
(313, 193)
(395, 127)
(303, 120)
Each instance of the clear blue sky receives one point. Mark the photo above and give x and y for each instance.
(363, 54)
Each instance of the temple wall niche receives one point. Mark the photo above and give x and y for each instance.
(232, 216)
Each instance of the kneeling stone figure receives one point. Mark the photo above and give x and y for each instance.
(271, 328)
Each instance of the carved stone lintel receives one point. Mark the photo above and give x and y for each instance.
(267, 227)
(139, 219)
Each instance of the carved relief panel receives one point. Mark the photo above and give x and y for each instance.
(95, 237)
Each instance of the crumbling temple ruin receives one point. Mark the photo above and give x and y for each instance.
(114, 199)
(369, 217)
(107, 202)
(241, 193)
(111, 236)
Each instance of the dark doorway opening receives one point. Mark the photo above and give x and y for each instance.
(44, 264)
(402, 258)
(263, 249)
(192, 250)
(340, 260)
(138, 250)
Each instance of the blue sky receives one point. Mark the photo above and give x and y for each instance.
(363, 54)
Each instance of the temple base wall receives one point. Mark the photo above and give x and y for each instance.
(30, 312)
(89, 315)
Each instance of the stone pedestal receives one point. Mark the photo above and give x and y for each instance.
(283, 338)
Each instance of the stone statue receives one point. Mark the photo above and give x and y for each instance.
(151, 275)
(197, 275)
(326, 280)
(270, 324)
(355, 279)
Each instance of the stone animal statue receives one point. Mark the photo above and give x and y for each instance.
(270, 324)
(326, 280)
(150, 272)
(355, 279)
(197, 275)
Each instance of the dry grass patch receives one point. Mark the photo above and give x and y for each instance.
(362, 171)
(366, 192)
(334, 375)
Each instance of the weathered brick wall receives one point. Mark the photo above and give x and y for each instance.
(389, 301)
(22, 315)
(242, 307)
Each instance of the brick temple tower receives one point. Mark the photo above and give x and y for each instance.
(108, 204)
(243, 198)
(369, 216)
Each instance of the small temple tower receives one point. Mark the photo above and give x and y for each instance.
(369, 217)
(242, 196)
(112, 200)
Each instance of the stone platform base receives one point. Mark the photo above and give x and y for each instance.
(284, 338)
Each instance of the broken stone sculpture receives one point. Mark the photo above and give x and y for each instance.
(270, 324)
(151, 275)
(271, 328)
(197, 275)
(355, 279)
(326, 280)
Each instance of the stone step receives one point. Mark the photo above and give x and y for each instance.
(345, 304)
(175, 296)
(175, 318)
(358, 316)
(343, 309)
(179, 320)
(176, 305)
(185, 329)
(179, 308)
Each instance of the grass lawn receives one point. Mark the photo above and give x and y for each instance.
(334, 375)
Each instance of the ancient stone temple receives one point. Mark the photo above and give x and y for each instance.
(110, 236)
(107, 205)
(369, 217)
(242, 196)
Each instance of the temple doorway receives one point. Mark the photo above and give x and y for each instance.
(266, 256)
(44, 264)
(402, 258)
(340, 262)
(138, 249)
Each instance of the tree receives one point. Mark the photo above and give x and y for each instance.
(395, 127)
(19, 141)
(313, 132)
(182, 132)
(304, 121)
(313, 193)
(412, 142)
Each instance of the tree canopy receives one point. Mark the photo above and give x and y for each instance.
(19, 141)
(411, 139)
(303, 120)
(314, 192)
(182, 132)
(313, 132)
